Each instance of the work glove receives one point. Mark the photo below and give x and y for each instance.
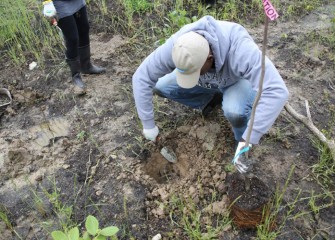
(239, 160)
(151, 134)
(49, 9)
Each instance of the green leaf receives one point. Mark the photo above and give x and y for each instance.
(109, 231)
(92, 225)
(73, 233)
(100, 237)
(86, 236)
(59, 235)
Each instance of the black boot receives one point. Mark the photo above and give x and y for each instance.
(74, 65)
(85, 62)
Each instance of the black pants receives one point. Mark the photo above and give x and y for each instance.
(76, 32)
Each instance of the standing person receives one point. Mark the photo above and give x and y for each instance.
(73, 21)
(207, 63)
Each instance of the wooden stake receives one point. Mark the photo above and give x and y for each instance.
(260, 86)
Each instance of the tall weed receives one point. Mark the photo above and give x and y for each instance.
(25, 33)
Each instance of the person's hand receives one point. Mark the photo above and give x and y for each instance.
(49, 9)
(151, 134)
(239, 159)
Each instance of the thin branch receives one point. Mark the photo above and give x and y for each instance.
(330, 143)
(308, 112)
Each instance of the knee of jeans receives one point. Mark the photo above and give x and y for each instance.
(158, 92)
(236, 120)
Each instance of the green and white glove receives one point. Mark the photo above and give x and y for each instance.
(49, 9)
(240, 161)
(151, 134)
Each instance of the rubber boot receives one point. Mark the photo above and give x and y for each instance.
(74, 65)
(85, 62)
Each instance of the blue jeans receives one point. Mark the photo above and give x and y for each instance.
(236, 104)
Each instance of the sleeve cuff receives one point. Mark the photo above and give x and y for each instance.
(254, 137)
(148, 124)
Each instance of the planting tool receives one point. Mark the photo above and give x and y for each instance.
(50, 12)
(166, 151)
(55, 24)
(169, 154)
(5, 99)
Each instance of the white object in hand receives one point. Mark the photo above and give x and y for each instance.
(151, 134)
(49, 9)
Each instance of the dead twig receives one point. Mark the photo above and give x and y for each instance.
(330, 143)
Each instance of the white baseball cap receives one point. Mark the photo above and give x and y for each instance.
(189, 54)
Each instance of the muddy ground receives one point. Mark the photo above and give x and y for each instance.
(87, 151)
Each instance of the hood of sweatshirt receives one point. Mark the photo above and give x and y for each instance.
(210, 29)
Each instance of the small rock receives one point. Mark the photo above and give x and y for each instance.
(38, 177)
(221, 187)
(66, 166)
(196, 199)
(27, 169)
(184, 129)
(216, 177)
(192, 190)
(159, 212)
(32, 65)
(163, 194)
(218, 169)
(157, 237)
(121, 176)
(78, 91)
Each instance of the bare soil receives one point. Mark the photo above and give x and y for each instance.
(90, 151)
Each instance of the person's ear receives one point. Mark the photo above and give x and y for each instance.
(210, 58)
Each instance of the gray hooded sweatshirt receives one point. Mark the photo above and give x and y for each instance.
(236, 56)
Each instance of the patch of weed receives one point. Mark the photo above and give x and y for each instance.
(92, 231)
(197, 223)
(273, 222)
(324, 170)
(25, 33)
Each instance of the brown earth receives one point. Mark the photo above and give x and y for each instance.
(88, 152)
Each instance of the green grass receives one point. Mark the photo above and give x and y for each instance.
(93, 231)
(132, 7)
(302, 7)
(62, 211)
(324, 170)
(25, 34)
(196, 223)
(273, 222)
(5, 219)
